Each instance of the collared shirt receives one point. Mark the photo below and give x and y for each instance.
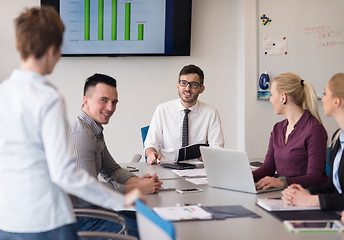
(94, 157)
(165, 130)
(336, 163)
(36, 159)
(302, 159)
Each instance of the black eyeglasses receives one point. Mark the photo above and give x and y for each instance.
(193, 85)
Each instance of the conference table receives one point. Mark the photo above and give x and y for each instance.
(266, 227)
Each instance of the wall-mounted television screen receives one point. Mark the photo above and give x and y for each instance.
(125, 27)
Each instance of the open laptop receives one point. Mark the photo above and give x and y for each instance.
(230, 169)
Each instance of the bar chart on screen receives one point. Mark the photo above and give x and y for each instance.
(122, 25)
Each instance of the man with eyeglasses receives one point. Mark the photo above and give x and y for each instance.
(201, 121)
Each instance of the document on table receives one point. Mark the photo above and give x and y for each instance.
(197, 172)
(272, 204)
(198, 181)
(182, 213)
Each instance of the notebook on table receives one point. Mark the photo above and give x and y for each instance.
(230, 169)
(186, 153)
(179, 165)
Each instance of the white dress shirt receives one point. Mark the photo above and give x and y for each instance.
(165, 130)
(336, 163)
(36, 159)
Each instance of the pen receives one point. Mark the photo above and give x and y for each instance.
(131, 167)
(188, 204)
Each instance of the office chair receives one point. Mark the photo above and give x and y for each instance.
(137, 157)
(151, 226)
(144, 132)
(106, 215)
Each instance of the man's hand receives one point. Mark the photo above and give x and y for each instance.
(149, 184)
(152, 155)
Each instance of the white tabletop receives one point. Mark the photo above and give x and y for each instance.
(267, 227)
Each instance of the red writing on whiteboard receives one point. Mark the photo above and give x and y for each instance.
(330, 44)
(327, 36)
(315, 30)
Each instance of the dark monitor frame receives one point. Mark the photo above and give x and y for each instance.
(177, 35)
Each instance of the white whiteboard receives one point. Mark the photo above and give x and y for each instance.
(314, 32)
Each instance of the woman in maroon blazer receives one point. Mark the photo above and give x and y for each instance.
(330, 196)
(297, 146)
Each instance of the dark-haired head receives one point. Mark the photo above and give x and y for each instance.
(190, 69)
(99, 78)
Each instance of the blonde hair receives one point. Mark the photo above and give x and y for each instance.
(336, 85)
(299, 92)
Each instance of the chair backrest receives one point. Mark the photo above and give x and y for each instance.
(151, 226)
(104, 215)
(144, 131)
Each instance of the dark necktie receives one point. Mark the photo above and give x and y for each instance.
(185, 137)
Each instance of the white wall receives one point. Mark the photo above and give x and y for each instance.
(223, 43)
(144, 82)
(259, 115)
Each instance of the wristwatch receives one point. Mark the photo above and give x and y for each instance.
(283, 180)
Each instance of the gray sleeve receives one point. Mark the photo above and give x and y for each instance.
(117, 186)
(111, 171)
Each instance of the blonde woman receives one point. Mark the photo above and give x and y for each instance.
(330, 196)
(297, 146)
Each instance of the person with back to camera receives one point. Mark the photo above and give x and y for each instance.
(329, 196)
(297, 146)
(37, 166)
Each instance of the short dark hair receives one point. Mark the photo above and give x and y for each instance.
(189, 69)
(99, 78)
(37, 29)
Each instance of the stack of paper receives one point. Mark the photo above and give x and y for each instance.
(273, 204)
(197, 172)
(198, 181)
(182, 213)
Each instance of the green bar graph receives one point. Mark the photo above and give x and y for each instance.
(87, 20)
(127, 21)
(140, 31)
(114, 20)
(100, 19)
(97, 25)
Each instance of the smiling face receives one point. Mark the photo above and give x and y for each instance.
(100, 103)
(187, 94)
